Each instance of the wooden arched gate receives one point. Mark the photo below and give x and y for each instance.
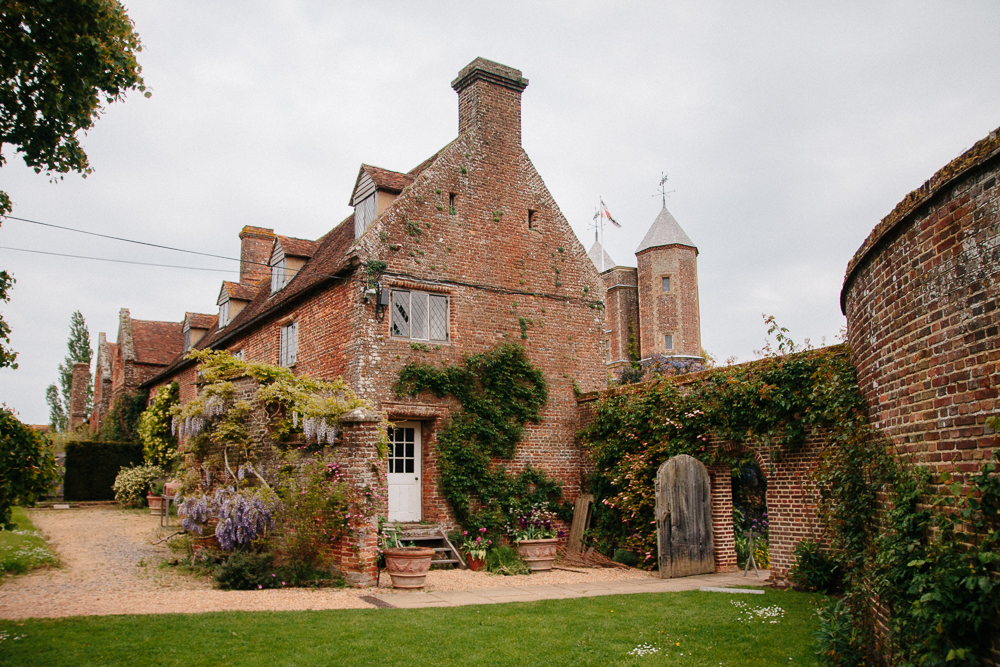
(684, 518)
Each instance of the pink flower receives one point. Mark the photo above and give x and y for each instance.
(259, 586)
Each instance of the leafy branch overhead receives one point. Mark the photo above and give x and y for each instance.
(60, 62)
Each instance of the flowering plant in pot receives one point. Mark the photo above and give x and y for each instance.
(475, 549)
(407, 565)
(536, 535)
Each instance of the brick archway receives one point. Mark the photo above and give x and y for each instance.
(791, 507)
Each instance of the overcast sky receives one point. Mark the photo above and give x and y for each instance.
(787, 130)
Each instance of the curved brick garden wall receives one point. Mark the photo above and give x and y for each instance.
(920, 298)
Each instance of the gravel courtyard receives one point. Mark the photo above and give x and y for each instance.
(111, 565)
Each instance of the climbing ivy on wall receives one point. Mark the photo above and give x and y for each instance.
(922, 552)
(500, 391)
(771, 405)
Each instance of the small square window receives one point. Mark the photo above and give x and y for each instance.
(668, 341)
(666, 283)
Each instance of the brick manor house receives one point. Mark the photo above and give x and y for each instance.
(474, 247)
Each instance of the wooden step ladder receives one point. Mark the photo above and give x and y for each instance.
(428, 535)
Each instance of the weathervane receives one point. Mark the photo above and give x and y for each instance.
(600, 213)
(663, 192)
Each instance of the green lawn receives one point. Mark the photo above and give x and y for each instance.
(23, 549)
(691, 628)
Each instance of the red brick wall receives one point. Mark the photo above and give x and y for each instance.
(922, 324)
(256, 244)
(921, 300)
(791, 505)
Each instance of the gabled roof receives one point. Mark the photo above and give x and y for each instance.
(664, 231)
(600, 257)
(157, 343)
(331, 258)
(237, 291)
(199, 320)
(294, 247)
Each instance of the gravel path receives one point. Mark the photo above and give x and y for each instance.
(110, 565)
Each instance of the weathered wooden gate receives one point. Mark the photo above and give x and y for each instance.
(684, 518)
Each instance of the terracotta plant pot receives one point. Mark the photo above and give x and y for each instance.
(538, 554)
(156, 505)
(475, 564)
(408, 566)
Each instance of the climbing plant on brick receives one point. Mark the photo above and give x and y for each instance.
(500, 391)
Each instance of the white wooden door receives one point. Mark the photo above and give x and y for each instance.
(404, 472)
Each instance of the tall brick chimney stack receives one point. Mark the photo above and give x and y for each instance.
(255, 254)
(78, 395)
(489, 100)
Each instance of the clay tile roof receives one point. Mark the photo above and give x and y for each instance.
(239, 290)
(199, 320)
(390, 181)
(294, 247)
(157, 343)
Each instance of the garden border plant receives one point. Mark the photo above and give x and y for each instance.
(282, 490)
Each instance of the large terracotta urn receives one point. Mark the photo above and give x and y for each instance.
(538, 554)
(408, 566)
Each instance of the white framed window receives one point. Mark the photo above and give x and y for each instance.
(364, 213)
(419, 316)
(224, 313)
(668, 341)
(288, 352)
(187, 339)
(238, 354)
(665, 283)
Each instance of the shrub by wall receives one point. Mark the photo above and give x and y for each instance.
(91, 467)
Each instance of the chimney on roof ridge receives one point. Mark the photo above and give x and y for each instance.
(489, 100)
(78, 395)
(255, 254)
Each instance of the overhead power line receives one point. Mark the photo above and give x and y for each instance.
(151, 245)
(118, 261)
(119, 238)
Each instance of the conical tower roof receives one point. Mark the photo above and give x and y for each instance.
(600, 257)
(665, 231)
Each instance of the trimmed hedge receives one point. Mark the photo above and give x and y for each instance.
(91, 467)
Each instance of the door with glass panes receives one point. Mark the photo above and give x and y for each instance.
(404, 472)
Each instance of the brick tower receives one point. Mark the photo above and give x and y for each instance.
(668, 291)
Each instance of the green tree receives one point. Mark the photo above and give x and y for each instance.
(7, 356)
(27, 465)
(79, 353)
(60, 61)
(159, 444)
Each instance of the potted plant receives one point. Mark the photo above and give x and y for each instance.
(407, 565)
(475, 549)
(536, 537)
(155, 498)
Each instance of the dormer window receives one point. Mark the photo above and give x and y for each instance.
(224, 313)
(279, 269)
(187, 339)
